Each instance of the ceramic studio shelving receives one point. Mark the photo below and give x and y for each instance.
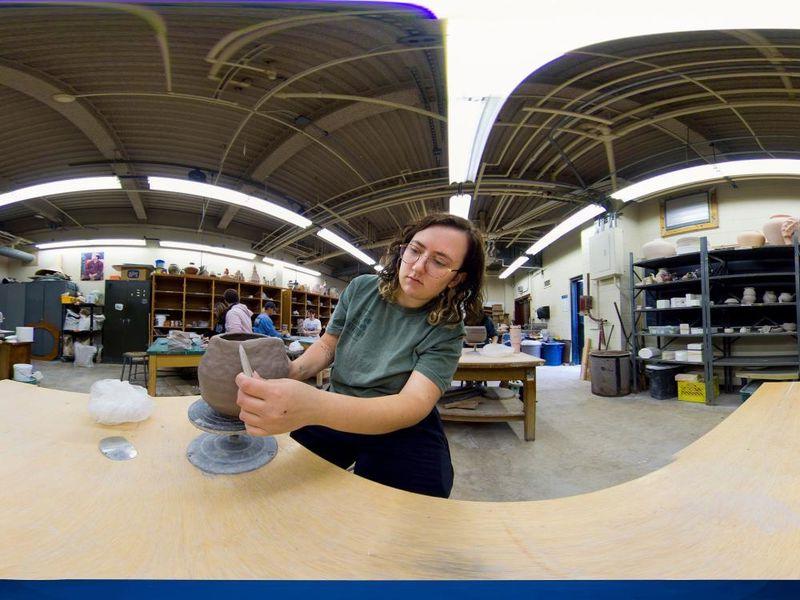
(301, 301)
(721, 274)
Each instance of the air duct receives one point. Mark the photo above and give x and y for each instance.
(16, 254)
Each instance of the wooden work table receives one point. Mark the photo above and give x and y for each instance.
(728, 506)
(474, 366)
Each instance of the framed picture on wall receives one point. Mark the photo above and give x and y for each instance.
(92, 266)
(689, 213)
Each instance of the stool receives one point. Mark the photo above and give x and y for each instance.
(132, 360)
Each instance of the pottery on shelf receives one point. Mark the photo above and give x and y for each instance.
(785, 297)
(779, 229)
(789, 326)
(658, 248)
(191, 269)
(770, 297)
(688, 244)
(174, 269)
(203, 271)
(254, 278)
(221, 364)
(750, 239)
(238, 276)
(663, 276)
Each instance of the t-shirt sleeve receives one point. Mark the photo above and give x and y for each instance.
(336, 324)
(439, 361)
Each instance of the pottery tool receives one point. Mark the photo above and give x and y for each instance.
(246, 368)
(117, 448)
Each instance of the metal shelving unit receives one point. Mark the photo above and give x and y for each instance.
(721, 272)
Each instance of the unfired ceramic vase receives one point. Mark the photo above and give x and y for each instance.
(785, 297)
(770, 298)
(750, 239)
(221, 364)
(658, 248)
(779, 229)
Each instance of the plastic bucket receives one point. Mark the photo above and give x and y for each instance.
(662, 381)
(532, 347)
(552, 353)
(22, 372)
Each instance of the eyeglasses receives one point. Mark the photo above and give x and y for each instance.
(436, 267)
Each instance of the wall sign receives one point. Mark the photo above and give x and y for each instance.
(689, 213)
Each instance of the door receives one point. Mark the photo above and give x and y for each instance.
(522, 311)
(576, 318)
(127, 311)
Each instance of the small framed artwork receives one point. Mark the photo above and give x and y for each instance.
(689, 213)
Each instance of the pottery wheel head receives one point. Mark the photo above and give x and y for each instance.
(221, 364)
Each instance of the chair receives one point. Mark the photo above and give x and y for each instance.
(133, 360)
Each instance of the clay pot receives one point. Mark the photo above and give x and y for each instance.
(221, 364)
(770, 298)
(191, 269)
(750, 239)
(779, 229)
(785, 297)
(789, 326)
(658, 248)
(174, 269)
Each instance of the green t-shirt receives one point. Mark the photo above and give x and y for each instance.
(381, 343)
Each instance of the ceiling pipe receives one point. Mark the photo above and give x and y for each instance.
(19, 255)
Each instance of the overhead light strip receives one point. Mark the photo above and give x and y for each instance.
(459, 205)
(210, 249)
(563, 228)
(206, 190)
(285, 265)
(340, 242)
(90, 243)
(760, 167)
(63, 186)
(514, 266)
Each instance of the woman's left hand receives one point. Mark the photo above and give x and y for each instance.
(271, 406)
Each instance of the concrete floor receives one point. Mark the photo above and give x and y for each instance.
(583, 442)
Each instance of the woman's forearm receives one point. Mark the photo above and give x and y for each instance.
(369, 415)
(317, 357)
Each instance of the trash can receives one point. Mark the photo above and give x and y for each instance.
(532, 347)
(552, 353)
(662, 381)
(611, 372)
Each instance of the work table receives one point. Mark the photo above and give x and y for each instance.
(728, 506)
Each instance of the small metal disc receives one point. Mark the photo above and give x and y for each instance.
(230, 454)
(207, 419)
(117, 448)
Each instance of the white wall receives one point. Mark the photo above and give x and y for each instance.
(5, 266)
(498, 291)
(68, 260)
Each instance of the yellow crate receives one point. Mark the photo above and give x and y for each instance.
(692, 391)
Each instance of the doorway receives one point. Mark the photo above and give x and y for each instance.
(522, 311)
(576, 318)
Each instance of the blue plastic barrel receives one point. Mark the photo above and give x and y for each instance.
(552, 353)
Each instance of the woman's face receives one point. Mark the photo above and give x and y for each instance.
(445, 246)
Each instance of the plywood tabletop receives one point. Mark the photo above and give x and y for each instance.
(728, 506)
(470, 358)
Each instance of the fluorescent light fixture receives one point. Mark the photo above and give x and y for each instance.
(329, 236)
(762, 167)
(285, 265)
(206, 190)
(378, 268)
(64, 186)
(90, 243)
(209, 249)
(514, 266)
(459, 205)
(576, 220)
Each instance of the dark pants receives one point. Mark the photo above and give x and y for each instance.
(415, 459)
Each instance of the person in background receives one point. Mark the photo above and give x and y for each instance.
(220, 311)
(483, 320)
(263, 323)
(312, 326)
(239, 318)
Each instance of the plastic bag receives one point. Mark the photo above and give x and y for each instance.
(112, 402)
(84, 355)
(71, 320)
(295, 346)
(496, 350)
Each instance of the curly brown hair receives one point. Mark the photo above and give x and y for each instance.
(453, 304)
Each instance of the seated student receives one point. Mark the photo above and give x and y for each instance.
(311, 326)
(484, 320)
(238, 319)
(263, 323)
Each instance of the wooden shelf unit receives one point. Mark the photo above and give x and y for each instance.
(322, 304)
(190, 299)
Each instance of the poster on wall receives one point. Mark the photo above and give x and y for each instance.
(92, 266)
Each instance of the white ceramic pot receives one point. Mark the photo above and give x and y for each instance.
(789, 326)
(779, 229)
(770, 298)
(685, 245)
(658, 248)
(785, 297)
